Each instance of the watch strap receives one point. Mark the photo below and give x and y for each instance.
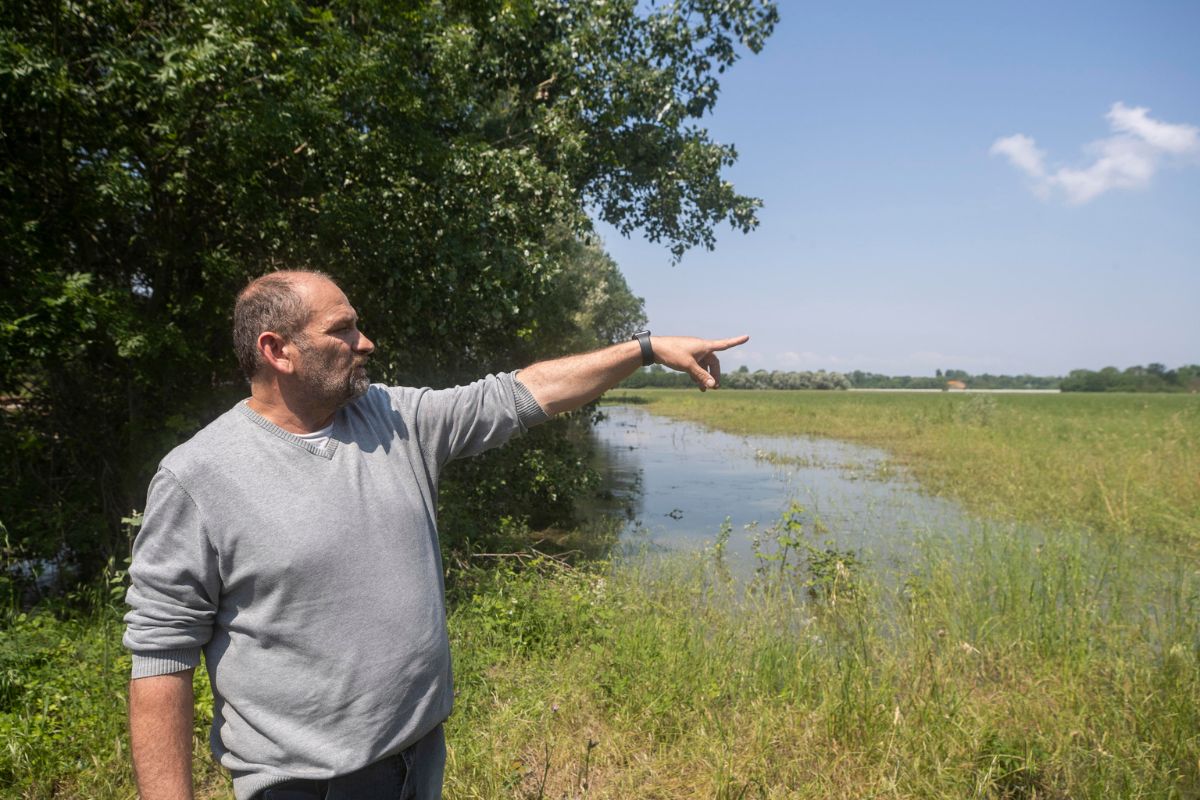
(643, 338)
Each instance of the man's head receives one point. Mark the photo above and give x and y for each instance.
(297, 330)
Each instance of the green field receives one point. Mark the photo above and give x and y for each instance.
(989, 667)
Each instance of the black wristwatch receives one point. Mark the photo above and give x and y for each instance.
(643, 338)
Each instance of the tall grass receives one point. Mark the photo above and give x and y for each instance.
(63, 677)
(996, 668)
(993, 667)
(1126, 464)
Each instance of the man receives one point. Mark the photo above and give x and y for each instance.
(294, 541)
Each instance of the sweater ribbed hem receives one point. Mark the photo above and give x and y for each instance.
(249, 784)
(528, 410)
(165, 662)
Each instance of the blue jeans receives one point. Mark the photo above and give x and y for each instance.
(413, 774)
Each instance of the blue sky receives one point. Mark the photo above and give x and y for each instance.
(1010, 187)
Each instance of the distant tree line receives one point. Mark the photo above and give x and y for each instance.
(1152, 378)
(872, 380)
(743, 378)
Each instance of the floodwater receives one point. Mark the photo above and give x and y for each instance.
(677, 482)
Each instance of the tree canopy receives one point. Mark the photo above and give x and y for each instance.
(439, 158)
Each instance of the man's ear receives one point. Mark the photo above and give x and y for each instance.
(275, 353)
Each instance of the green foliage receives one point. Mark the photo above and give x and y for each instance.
(871, 380)
(63, 680)
(788, 558)
(62, 707)
(778, 379)
(990, 666)
(527, 609)
(437, 157)
(491, 501)
(1154, 378)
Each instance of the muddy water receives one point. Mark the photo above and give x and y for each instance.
(678, 482)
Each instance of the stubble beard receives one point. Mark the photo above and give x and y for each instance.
(326, 386)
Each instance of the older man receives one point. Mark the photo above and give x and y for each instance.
(294, 542)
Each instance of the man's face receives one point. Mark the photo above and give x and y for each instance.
(330, 353)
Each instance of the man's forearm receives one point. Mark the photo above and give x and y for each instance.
(564, 384)
(160, 734)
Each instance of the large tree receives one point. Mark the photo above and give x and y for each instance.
(440, 158)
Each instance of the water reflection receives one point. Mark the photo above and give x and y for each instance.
(679, 481)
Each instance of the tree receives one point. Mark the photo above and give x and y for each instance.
(154, 156)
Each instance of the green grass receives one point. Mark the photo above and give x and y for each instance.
(995, 670)
(63, 678)
(1122, 463)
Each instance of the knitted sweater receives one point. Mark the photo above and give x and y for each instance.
(311, 577)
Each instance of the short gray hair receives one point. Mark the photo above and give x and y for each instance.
(269, 303)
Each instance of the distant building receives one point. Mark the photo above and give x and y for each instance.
(955, 386)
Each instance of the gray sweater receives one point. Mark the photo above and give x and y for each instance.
(311, 577)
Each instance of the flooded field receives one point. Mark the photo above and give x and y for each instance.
(678, 482)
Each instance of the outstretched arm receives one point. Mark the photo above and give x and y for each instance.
(564, 384)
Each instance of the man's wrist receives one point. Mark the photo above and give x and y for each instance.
(643, 340)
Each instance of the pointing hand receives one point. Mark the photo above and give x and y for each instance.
(697, 357)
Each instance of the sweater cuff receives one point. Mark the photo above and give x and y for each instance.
(164, 662)
(528, 410)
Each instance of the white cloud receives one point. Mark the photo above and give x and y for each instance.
(1177, 139)
(1022, 152)
(1128, 159)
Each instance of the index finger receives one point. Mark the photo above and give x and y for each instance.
(725, 344)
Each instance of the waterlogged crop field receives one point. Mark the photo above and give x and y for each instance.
(1121, 463)
(991, 666)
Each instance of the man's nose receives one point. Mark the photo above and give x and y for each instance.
(365, 345)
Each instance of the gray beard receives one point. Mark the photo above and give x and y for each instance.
(344, 393)
(327, 391)
(358, 386)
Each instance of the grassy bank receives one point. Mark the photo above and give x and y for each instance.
(996, 670)
(1115, 462)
